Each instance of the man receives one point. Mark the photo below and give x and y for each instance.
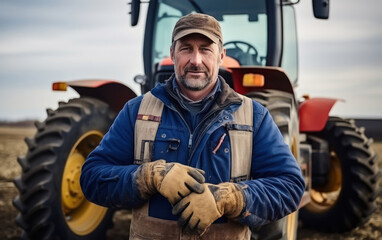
(193, 158)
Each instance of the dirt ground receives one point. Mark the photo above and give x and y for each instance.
(12, 145)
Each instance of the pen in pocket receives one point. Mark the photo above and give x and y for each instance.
(219, 144)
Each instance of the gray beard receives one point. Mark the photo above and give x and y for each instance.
(186, 83)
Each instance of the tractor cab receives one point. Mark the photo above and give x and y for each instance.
(257, 33)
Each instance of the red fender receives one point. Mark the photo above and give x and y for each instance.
(314, 113)
(113, 93)
(275, 78)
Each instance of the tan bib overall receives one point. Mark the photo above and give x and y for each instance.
(240, 135)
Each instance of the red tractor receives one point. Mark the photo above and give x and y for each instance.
(335, 156)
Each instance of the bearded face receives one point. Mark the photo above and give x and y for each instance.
(196, 60)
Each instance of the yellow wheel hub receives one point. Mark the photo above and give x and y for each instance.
(82, 216)
(71, 189)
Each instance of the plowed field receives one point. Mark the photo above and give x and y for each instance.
(12, 145)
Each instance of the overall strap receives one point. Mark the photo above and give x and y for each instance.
(241, 136)
(146, 127)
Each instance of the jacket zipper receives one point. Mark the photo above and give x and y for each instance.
(190, 141)
(189, 145)
(198, 139)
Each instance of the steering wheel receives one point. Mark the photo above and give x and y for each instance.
(242, 54)
(237, 43)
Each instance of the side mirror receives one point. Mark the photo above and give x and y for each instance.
(321, 9)
(140, 79)
(135, 7)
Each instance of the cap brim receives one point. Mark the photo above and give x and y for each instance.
(186, 32)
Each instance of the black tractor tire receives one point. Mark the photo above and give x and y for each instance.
(282, 107)
(348, 199)
(51, 204)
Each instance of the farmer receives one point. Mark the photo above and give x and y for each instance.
(193, 158)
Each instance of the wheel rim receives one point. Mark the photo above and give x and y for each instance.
(82, 216)
(291, 226)
(291, 219)
(323, 198)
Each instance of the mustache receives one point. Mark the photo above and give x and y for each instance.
(193, 68)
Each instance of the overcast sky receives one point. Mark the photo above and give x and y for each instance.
(43, 41)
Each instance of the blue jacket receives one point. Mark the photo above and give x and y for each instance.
(276, 187)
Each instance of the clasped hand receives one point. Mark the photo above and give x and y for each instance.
(199, 204)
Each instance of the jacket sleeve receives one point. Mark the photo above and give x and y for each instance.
(277, 185)
(107, 174)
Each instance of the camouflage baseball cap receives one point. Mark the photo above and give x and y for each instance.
(198, 23)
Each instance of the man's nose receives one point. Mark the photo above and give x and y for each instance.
(196, 58)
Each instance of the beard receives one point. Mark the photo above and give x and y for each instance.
(195, 84)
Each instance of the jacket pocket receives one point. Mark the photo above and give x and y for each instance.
(170, 145)
(218, 155)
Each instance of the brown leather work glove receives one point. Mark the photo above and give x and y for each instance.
(199, 211)
(173, 180)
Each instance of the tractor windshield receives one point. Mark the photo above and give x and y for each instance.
(248, 46)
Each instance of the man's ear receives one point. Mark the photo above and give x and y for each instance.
(172, 52)
(222, 56)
